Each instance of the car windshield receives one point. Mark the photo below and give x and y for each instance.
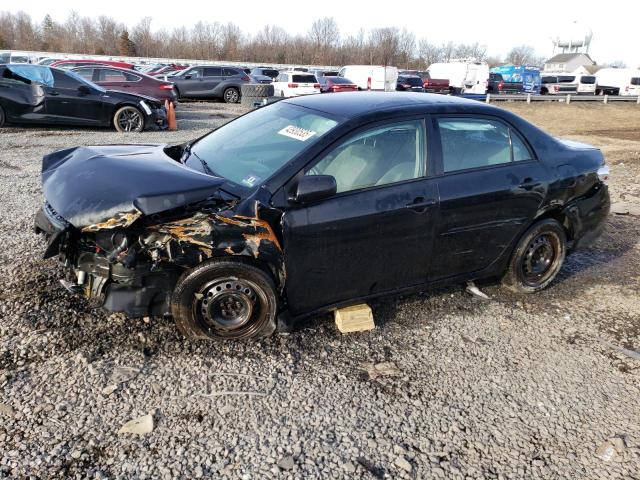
(81, 79)
(588, 79)
(413, 81)
(635, 81)
(252, 148)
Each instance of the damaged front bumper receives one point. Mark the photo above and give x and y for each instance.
(135, 290)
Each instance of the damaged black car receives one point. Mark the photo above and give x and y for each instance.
(315, 203)
(36, 94)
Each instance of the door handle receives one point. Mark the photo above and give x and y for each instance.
(528, 183)
(420, 204)
(54, 92)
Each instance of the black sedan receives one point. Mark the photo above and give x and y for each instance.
(49, 96)
(319, 202)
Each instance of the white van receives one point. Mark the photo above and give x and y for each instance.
(586, 85)
(464, 77)
(618, 81)
(370, 77)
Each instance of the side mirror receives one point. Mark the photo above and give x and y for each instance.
(188, 77)
(312, 188)
(84, 90)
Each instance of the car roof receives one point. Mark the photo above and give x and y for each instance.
(355, 104)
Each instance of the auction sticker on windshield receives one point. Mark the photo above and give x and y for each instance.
(298, 133)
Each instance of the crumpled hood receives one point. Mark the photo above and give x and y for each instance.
(91, 185)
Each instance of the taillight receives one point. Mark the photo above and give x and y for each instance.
(406, 85)
(500, 86)
(426, 83)
(556, 88)
(245, 78)
(292, 85)
(369, 83)
(603, 173)
(166, 86)
(316, 85)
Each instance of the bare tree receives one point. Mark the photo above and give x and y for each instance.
(521, 55)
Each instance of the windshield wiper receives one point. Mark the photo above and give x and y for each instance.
(204, 164)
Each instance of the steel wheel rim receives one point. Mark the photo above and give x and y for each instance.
(230, 307)
(129, 119)
(231, 96)
(540, 258)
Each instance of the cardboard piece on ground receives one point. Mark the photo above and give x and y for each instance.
(358, 318)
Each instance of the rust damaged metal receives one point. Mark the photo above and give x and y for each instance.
(196, 230)
(123, 220)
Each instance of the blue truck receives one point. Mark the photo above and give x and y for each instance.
(529, 77)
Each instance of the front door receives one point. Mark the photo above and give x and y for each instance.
(490, 190)
(375, 234)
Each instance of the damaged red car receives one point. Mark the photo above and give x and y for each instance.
(319, 202)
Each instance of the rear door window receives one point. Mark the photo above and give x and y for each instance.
(588, 79)
(61, 80)
(213, 72)
(111, 75)
(475, 143)
(230, 72)
(86, 73)
(635, 81)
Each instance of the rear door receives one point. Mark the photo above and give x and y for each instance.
(65, 103)
(491, 186)
(376, 233)
(212, 77)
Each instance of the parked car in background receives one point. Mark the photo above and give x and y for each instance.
(370, 77)
(210, 81)
(44, 95)
(319, 187)
(295, 84)
(434, 85)
(558, 85)
(586, 85)
(464, 77)
(121, 79)
(260, 79)
(69, 64)
(269, 72)
(528, 76)
(324, 73)
(336, 84)
(498, 85)
(618, 81)
(14, 57)
(47, 61)
(409, 83)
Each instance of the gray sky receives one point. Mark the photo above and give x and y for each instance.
(615, 33)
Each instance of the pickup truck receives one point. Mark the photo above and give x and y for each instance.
(497, 84)
(434, 85)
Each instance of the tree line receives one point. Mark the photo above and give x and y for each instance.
(321, 45)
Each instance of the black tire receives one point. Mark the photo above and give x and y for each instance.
(231, 95)
(3, 118)
(177, 93)
(225, 299)
(537, 258)
(257, 90)
(128, 119)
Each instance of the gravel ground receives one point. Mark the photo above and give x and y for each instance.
(447, 385)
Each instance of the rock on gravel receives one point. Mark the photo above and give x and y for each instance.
(139, 426)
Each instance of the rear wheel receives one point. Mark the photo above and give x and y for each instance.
(225, 299)
(231, 95)
(128, 119)
(537, 259)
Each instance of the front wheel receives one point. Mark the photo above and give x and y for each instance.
(128, 119)
(225, 299)
(231, 95)
(537, 258)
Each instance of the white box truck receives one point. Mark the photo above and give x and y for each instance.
(618, 81)
(464, 77)
(371, 77)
